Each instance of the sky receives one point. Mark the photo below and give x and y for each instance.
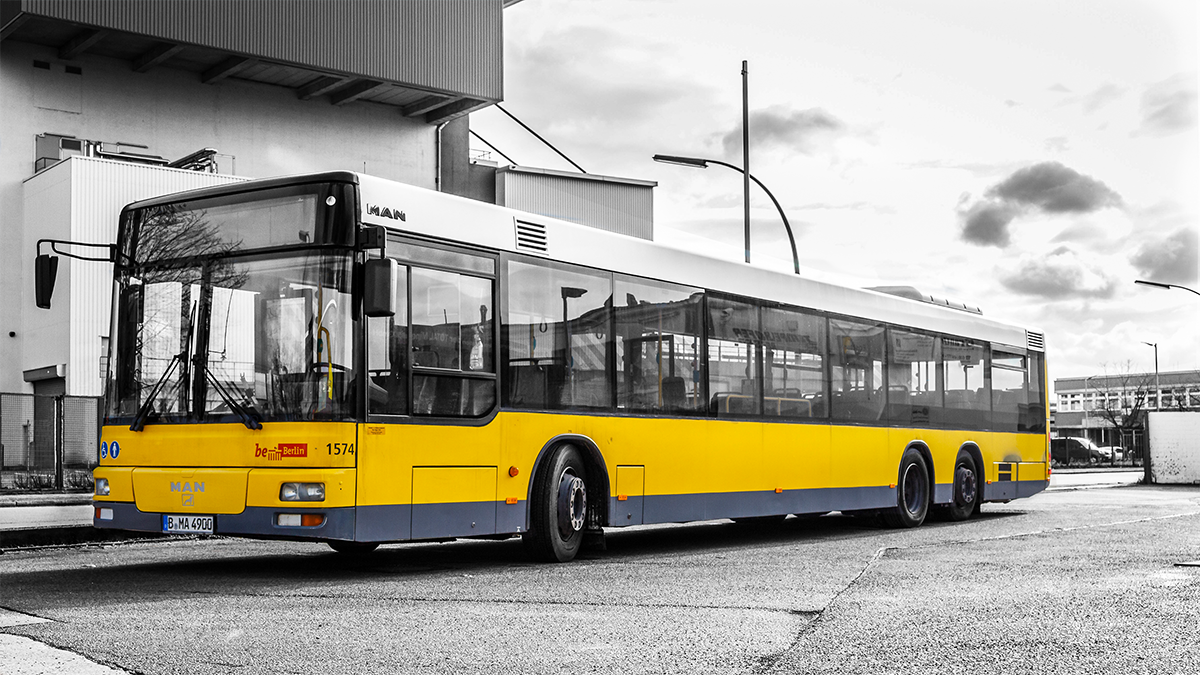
(1029, 158)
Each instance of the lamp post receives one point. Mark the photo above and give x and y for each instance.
(699, 163)
(1156, 284)
(1157, 391)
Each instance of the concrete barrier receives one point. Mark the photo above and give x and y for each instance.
(1174, 441)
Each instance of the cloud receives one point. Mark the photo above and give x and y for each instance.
(777, 127)
(1169, 107)
(1171, 260)
(1059, 275)
(986, 224)
(1054, 188)
(1100, 98)
(1047, 187)
(1081, 232)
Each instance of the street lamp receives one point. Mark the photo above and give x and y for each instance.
(1157, 391)
(1156, 284)
(698, 163)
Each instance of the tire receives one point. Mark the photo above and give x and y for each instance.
(559, 514)
(966, 489)
(912, 492)
(353, 548)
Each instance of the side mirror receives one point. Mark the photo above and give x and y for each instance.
(380, 278)
(45, 271)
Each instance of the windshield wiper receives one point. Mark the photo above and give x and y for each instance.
(241, 411)
(139, 420)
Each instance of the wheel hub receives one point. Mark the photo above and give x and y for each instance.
(572, 504)
(964, 486)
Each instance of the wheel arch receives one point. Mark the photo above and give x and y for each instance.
(922, 448)
(972, 449)
(593, 458)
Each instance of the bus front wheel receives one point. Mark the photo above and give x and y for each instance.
(559, 507)
(966, 489)
(912, 492)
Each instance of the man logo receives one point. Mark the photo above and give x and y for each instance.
(185, 486)
(385, 212)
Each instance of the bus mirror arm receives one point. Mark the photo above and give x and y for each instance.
(373, 236)
(45, 269)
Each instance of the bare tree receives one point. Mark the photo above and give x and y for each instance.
(1123, 396)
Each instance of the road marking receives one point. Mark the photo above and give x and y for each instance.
(24, 656)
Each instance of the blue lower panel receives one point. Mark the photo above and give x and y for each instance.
(683, 508)
(388, 522)
(1000, 490)
(1028, 488)
(628, 512)
(254, 521)
(462, 519)
(943, 493)
(510, 517)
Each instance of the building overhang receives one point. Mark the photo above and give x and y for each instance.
(431, 60)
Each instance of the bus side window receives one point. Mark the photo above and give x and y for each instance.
(857, 385)
(387, 356)
(793, 364)
(915, 389)
(968, 405)
(734, 358)
(658, 346)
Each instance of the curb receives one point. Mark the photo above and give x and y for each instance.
(66, 536)
(75, 499)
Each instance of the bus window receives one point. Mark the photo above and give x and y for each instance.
(1033, 417)
(556, 336)
(733, 358)
(856, 371)
(914, 389)
(1008, 390)
(967, 398)
(388, 356)
(793, 364)
(451, 331)
(658, 346)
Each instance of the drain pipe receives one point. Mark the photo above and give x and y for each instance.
(437, 160)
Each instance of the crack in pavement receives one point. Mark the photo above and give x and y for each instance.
(767, 663)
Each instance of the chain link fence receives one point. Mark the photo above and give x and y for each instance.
(48, 443)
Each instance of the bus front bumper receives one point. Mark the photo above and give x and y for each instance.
(254, 521)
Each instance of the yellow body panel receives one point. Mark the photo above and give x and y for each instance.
(263, 486)
(1031, 471)
(631, 481)
(207, 491)
(679, 456)
(120, 483)
(276, 444)
(455, 484)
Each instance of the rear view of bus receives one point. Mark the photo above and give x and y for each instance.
(231, 399)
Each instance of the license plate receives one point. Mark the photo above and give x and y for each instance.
(187, 524)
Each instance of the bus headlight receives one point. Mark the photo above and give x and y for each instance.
(302, 492)
(102, 487)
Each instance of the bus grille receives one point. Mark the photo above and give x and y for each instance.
(1035, 341)
(531, 237)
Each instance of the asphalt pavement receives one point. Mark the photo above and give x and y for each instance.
(1071, 580)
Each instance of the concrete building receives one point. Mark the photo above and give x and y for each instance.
(1082, 401)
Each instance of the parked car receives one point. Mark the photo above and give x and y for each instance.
(1073, 450)
(1113, 452)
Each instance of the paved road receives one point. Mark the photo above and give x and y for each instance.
(1068, 581)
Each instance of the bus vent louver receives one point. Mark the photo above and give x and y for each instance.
(1035, 341)
(531, 238)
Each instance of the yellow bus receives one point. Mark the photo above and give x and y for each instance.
(340, 358)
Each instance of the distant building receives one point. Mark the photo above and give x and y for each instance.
(1082, 402)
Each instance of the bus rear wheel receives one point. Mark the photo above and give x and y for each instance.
(912, 492)
(966, 489)
(559, 508)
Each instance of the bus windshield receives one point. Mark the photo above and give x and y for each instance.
(208, 331)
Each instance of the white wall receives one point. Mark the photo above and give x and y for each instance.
(1174, 447)
(266, 129)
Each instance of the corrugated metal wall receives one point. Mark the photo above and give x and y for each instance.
(454, 46)
(607, 205)
(99, 190)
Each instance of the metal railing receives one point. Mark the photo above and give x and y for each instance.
(49, 443)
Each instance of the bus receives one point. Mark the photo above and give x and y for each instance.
(340, 358)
